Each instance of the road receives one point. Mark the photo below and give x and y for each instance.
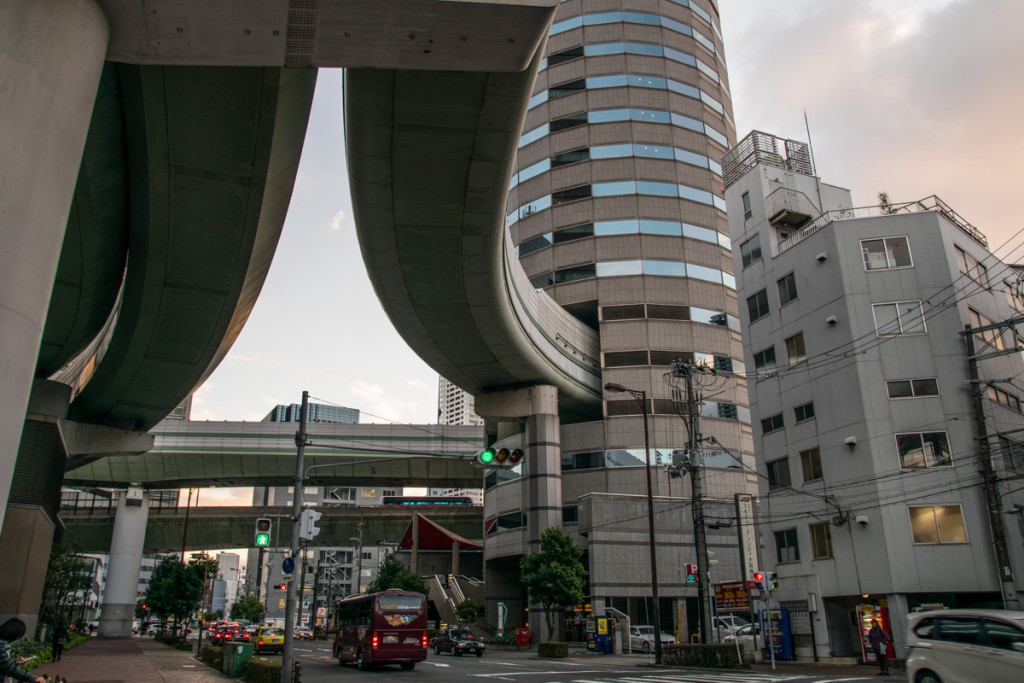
(501, 666)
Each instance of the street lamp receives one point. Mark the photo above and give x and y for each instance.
(641, 398)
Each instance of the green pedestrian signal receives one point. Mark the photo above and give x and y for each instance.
(263, 532)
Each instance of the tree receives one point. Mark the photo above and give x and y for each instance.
(885, 204)
(175, 589)
(248, 608)
(468, 612)
(68, 577)
(394, 574)
(555, 577)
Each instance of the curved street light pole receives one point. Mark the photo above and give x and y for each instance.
(641, 398)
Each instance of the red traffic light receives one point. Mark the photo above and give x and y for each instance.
(515, 456)
(283, 586)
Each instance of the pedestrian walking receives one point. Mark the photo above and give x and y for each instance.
(10, 631)
(879, 641)
(60, 636)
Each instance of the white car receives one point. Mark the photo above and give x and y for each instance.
(727, 625)
(965, 646)
(642, 638)
(749, 636)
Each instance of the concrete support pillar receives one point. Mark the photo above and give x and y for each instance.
(537, 408)
(51, 58)
(126, 545)
(414, 560)
(898, 612)
(455, 558)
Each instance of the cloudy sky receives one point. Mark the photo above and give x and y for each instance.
(913, 97)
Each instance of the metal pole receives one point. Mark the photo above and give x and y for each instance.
(302, 584)
(184, 532)
(989, 481)
(699, 537)
(650, 532)
(288, 657)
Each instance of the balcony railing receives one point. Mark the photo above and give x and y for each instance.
(932, 203)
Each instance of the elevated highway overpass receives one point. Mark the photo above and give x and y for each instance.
(232, 527)
(150, 150)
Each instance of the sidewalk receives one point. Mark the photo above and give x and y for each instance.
(129, 660)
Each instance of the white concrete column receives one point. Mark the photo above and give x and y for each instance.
(51, 58)
(126, 544)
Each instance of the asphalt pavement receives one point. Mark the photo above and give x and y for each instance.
(143, 660)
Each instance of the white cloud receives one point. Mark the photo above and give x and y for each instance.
(341, 220)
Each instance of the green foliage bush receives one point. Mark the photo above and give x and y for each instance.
(554, 650)
(719, 656)
(501, 640)
(261, 671)
(38, 653)
(213, 656)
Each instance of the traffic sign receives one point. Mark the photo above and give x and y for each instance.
(287, 577)
(288, 566)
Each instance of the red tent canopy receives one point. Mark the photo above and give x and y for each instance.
(433, 536)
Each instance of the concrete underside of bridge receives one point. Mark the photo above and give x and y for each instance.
(232, 527)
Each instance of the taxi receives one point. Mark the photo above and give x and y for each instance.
(268, 639)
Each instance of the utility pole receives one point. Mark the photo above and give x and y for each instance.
(288, 656)
(989, 480)
(302, 583)
(358, 538)
(690, 412)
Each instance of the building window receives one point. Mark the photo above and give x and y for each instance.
(993, 338)
(563, 89)
(811, 462)
(821, 540)
(804, 412)
(795, 350)
(747, 212)
(1003, 398)
(764, 360)
(971, 267)
(937, 524)
(771, 424)
(898, 317)
(1013, 452)
(885, 254)
(912, 388)
(757, 305)
(750, 250)
(924, 449)
(787, 289)
(786, 548)
(778, 474)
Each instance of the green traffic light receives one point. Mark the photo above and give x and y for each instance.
(487, 455)
(262, 540)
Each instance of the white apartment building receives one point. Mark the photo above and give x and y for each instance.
(885, 470)
(455, 406)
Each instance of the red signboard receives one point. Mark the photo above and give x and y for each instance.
(732, 595)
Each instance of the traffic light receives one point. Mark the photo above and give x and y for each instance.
(263, 532)
(770, 580)
(281, 586)
(691, 573)
(759, 580)
(307, 524)
(499, 457)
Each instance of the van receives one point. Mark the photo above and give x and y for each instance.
(965, 646)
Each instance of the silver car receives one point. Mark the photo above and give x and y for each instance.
(642, 638)
(965, 646)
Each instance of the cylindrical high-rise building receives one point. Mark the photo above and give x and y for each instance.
(617, 211)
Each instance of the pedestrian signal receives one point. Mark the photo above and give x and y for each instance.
(263, 532)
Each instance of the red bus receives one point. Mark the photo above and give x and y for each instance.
(381, 628)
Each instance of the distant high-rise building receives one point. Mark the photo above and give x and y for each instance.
(455, 406)
(318, 412)
(477, 495)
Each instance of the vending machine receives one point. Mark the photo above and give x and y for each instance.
(866, 613)
(778, 634)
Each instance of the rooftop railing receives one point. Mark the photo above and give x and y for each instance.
(932, 203)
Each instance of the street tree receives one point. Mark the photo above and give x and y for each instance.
(468, 612)
(248, 608)
(68, 578)
(394, 574)
(175, 590)
(555, 577)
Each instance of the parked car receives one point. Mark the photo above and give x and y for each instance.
(749, 636)
(304, 634)
(642, 638)
(728, 624)
(268, 639)
(457, 642)
(962, 646)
